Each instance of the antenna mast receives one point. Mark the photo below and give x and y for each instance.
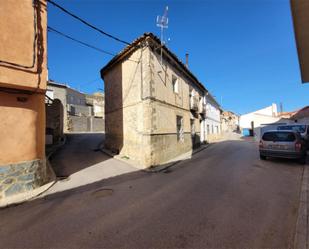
(162, 23)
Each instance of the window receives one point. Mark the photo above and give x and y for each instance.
(212, 129)
(179, 124)
(192, 127)
(175, 84)
(279, 136)
(217, 129)
(208, 130)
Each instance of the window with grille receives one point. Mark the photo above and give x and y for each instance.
(179, 123)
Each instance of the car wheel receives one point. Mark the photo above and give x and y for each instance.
(262, 157)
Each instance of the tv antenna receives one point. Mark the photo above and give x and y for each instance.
(162, 23)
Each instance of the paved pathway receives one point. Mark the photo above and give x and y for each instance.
(80, 162)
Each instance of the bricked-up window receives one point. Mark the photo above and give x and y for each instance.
(179, 124)
(175, 84)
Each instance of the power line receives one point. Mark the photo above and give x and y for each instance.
(50, 29)
(88, 24)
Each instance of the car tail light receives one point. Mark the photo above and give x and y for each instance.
(298, 146)
(261, 145)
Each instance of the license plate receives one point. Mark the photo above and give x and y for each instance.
(277, 146)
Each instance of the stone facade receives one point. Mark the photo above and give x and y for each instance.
(229, 121)
(81, 112)
(153, 110)
(96, 100)
(21, 177)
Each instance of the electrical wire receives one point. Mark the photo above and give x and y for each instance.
(86, 23)
(34, 43)
(50, 29)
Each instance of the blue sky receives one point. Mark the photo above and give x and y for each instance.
(242, 50)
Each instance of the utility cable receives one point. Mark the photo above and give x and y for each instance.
(87, 23)
(50, 29)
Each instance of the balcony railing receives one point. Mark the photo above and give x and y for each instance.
(194, 105)
(202, 108)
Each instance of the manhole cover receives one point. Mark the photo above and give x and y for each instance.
(102, 192)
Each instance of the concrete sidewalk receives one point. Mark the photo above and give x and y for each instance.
(103, 170)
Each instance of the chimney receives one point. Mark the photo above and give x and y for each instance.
(187, 60)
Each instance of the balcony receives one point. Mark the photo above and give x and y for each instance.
(194, 103)
(202, 108)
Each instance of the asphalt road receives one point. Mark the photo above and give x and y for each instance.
(224, 197)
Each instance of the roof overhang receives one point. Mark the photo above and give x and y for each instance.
(300, 13)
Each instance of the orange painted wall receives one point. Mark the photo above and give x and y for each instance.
(22, 128)
(19, 23)
(22, 116)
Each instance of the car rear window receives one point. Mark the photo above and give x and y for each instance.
(279, 136)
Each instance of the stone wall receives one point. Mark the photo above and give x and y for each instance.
(165, 147)
(21, 177)
(80, 110)
(98, 124)
(86, 124)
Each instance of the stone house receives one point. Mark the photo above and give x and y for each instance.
(229, 121)
(96, 100)
(155, 109)
(81, 112)
(23, 76)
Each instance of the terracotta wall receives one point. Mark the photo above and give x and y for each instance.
(22, 67)
(22, 127)
(23, 44)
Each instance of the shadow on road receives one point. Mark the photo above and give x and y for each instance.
(80, 151)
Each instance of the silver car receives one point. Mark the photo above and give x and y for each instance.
(283, 144)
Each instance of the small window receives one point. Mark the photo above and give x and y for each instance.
(179, 124)
(212, 129)
(208, 129)
(175, 84)
(192, 127)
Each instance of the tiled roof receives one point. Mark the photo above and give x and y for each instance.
(303, 112)
(135, 45)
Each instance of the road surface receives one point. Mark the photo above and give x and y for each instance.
(224, 197)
